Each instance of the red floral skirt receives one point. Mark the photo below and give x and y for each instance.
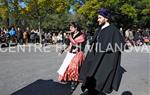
(72, 71)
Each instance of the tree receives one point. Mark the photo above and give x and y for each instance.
(143, 13)
(124, 12)
(41, 10)
(4, 13)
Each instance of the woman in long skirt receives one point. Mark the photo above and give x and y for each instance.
(69, 70)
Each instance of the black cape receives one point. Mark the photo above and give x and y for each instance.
(101, 70)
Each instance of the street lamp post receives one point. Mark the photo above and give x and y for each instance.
(8, 3)
(10, 18)
(39, 24)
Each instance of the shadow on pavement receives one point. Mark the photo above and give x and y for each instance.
(44, 87)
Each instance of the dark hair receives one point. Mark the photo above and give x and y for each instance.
(76, 25)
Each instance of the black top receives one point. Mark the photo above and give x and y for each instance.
(76, 48)
(109, 39)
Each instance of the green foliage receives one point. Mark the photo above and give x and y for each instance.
(55, 22)
(4, 13)
(128, 10)
(124, 12)
(90, 8)
(54, 14)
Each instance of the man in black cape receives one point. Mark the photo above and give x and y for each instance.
(101, 73)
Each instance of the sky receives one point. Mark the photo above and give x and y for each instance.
(71, 10)
(22, 5)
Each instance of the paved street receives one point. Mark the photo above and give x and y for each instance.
(34, 73)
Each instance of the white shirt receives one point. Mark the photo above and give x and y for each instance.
(105, 25)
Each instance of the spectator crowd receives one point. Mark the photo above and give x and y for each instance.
(17, 35)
